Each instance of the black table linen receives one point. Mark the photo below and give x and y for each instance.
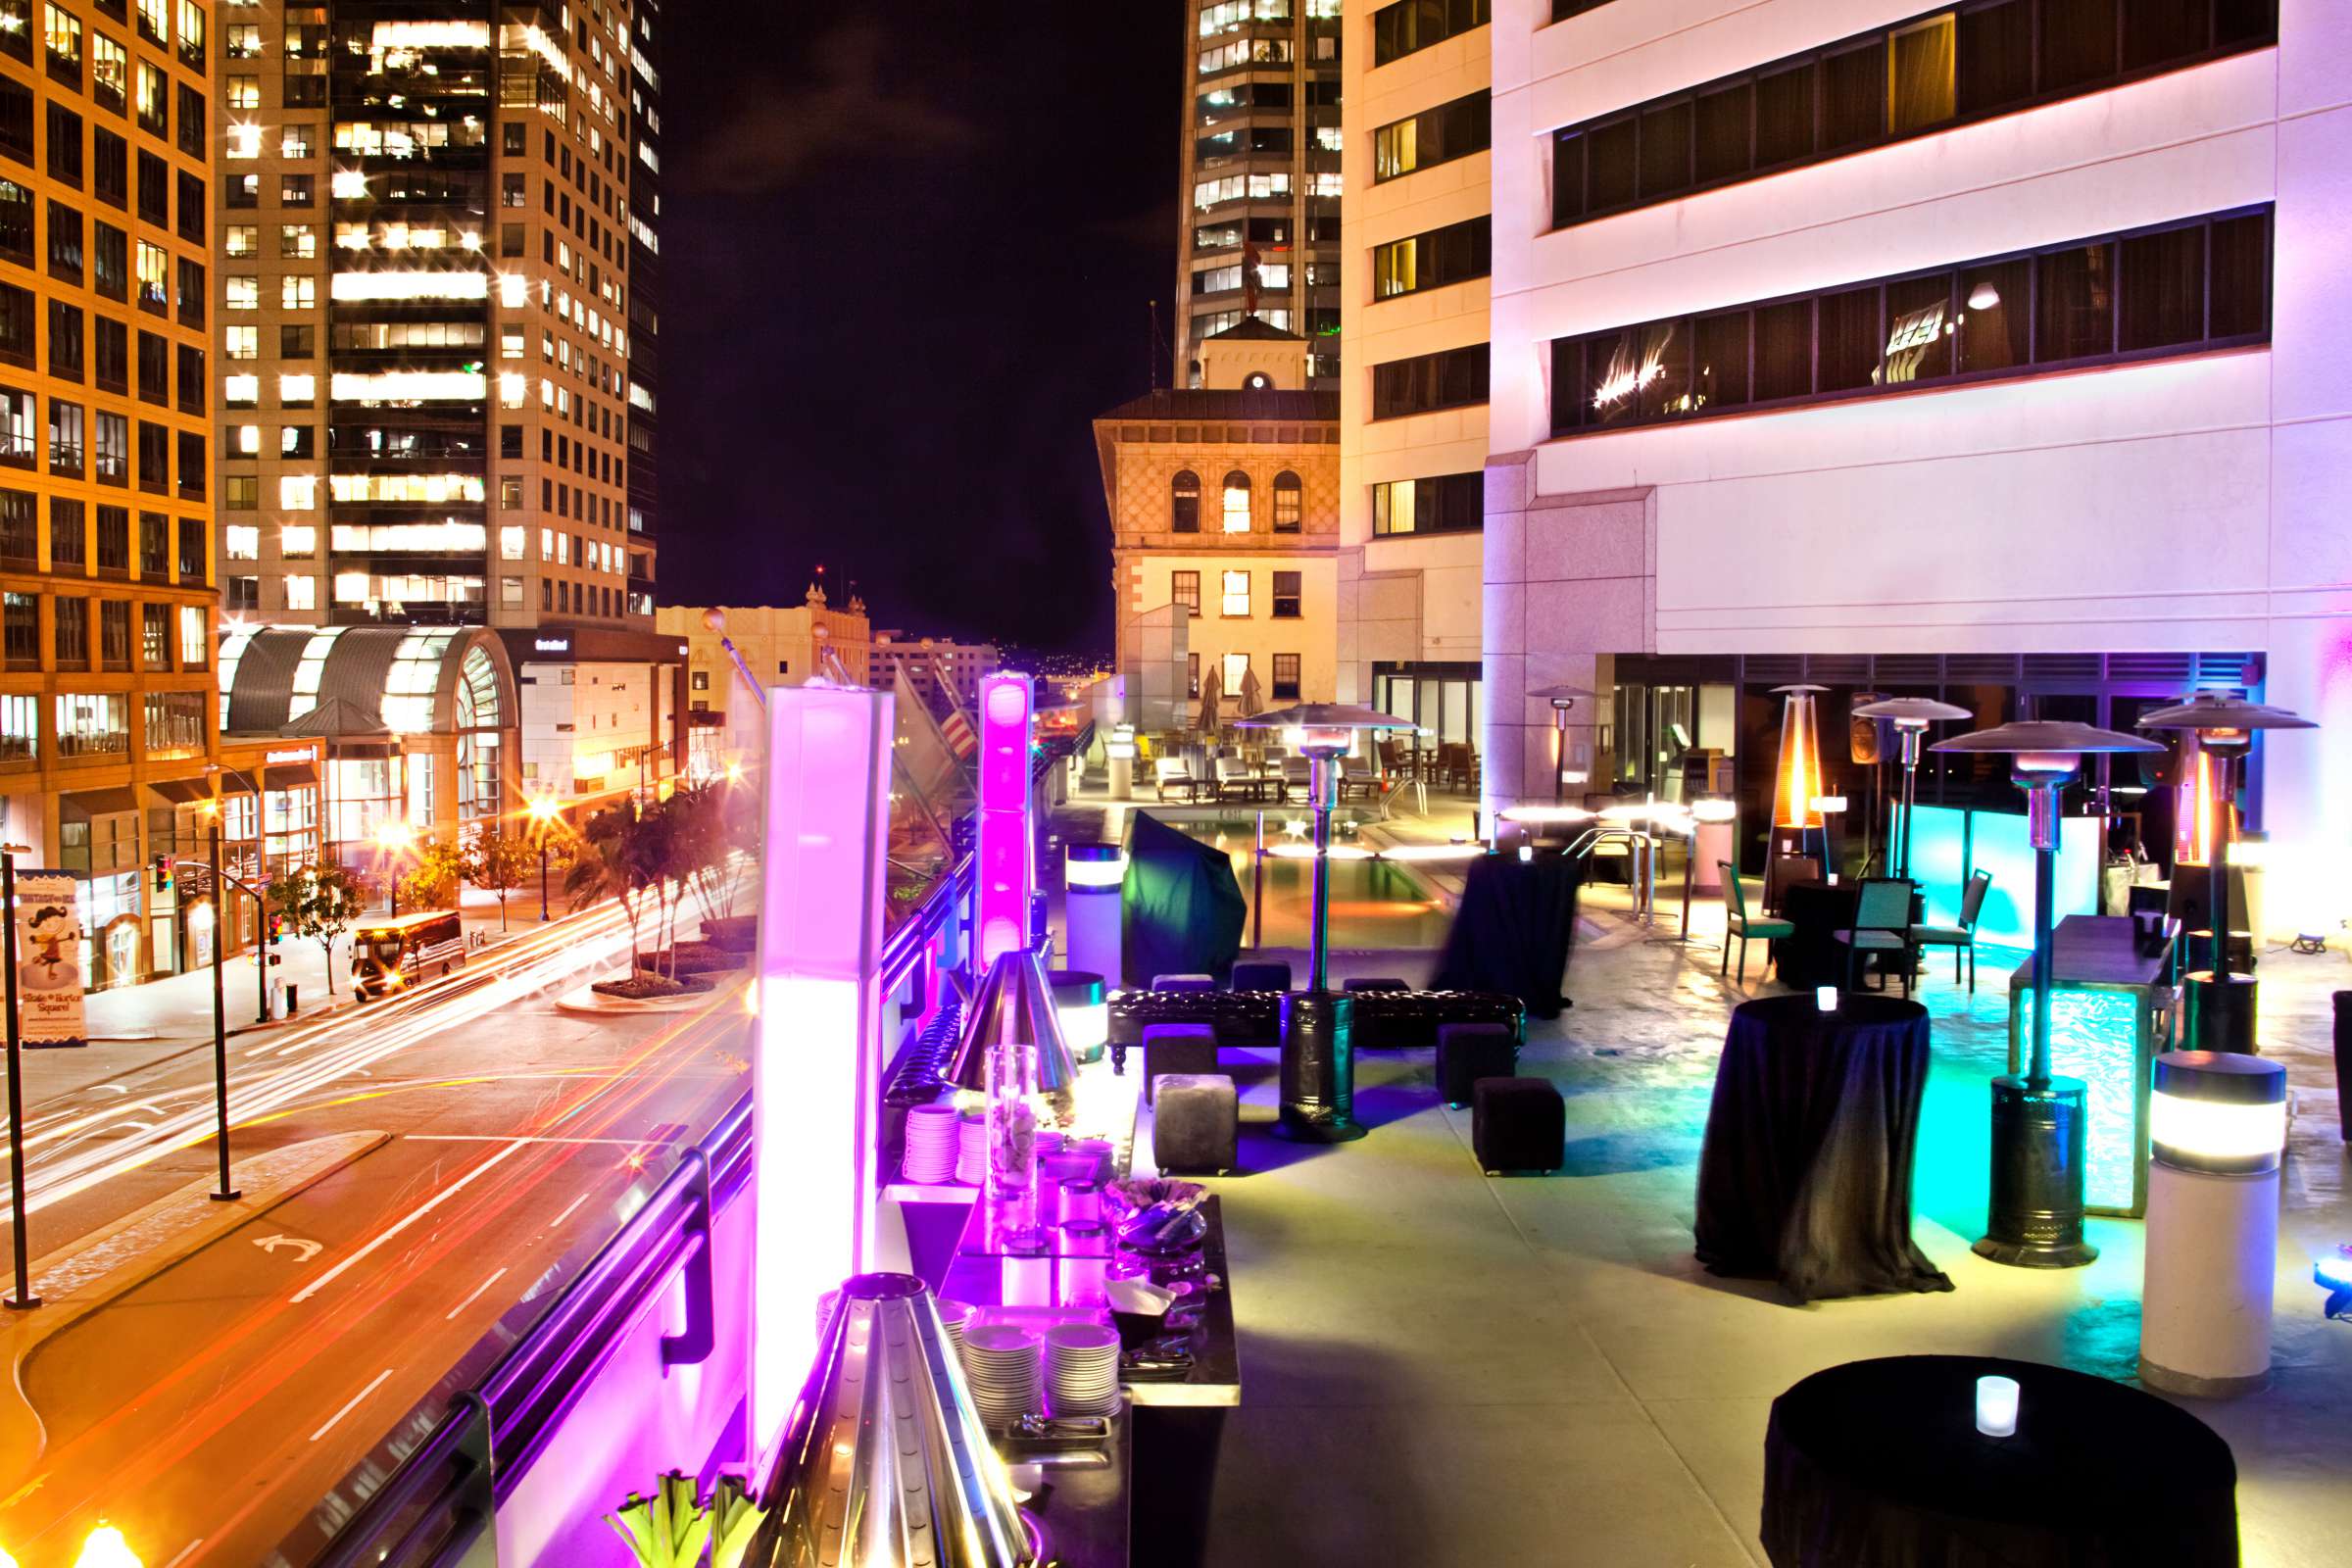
(1878, 1464)
(1512, 930)
(1805, 1174)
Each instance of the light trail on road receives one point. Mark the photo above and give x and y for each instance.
(342, 1046)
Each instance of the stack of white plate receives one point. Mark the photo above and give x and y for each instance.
(1082, 1368)
(930, 1144)
(971, 1148)
(1002, 1364)
(953, 1316)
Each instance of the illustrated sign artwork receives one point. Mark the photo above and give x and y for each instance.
(49, 977)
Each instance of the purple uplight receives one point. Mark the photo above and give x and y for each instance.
(1006, 875)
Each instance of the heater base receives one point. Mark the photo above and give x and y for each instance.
(2039, 1141)
(1319, 1068)
(2194, 1387)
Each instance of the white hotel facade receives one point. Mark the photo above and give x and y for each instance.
(1997, 348)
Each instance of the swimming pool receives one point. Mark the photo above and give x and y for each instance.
(1374, 903)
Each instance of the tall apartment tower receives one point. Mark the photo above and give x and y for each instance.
(431, 221)
(1261, 186)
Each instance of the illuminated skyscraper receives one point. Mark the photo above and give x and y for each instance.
(432, 223)
(1260, 182)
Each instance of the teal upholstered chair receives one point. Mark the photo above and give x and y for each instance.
(1738, 922)
(1961, 938)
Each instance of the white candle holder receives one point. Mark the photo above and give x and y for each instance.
(1996, 1406)
(1826, 998)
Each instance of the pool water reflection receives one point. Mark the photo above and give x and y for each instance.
(1374, 903)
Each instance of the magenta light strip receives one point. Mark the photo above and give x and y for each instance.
(817, 1064)
(1005, 875)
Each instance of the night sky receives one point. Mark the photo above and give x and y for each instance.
(907, 254)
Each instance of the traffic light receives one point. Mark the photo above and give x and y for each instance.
(163, 873)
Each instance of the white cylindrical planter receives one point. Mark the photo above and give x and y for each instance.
(1093, 874)
(1122, 777)
(2218, 1121)
(1711, 847)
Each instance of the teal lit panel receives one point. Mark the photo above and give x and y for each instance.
(2094, 1036)
(1950, 842)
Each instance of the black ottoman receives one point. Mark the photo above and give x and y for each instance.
(1196, 1122)
(1470, 1052)
(1271, 974)
(1177, 1048)
(1376, 982)
(1518, 1124)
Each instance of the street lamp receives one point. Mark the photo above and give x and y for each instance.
(2221, 1005)
(24, 1300)
(223, 1193)
(1562, 698)
(2040, 1123)
(1912, 716)
(1318, 1054)
(544, 811)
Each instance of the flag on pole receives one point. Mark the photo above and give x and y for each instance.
(962, 738)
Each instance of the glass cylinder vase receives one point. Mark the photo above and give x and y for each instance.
(1012, 1123)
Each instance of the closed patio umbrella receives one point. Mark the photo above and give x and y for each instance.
(1212, 692)
(1253, 696)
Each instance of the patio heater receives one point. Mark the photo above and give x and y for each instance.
(1318, 1054)
(2221, 1005)
(1796, 783)
(2041, 1124)
(1912, 716)
(1562, 700)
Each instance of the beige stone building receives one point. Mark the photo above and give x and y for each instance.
(1224, 499)
(780, 646)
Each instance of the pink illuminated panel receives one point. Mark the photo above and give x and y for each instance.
(817, 1066)
(1004, 874)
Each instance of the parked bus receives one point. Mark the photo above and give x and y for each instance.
(408, 950)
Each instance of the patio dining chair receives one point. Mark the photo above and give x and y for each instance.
(1173, 774)
(1882, 925)
(1961, 938)
(1738, 922)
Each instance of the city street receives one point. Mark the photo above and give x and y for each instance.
(207, 1407)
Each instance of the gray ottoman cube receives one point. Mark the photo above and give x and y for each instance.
(1269, 974)
(1469, 1052)
(1183, 982)
(1196, 1122)
(1176, 1048)
(1518, 1124)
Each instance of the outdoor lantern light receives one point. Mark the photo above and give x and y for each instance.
(1318, 1054)
(106, 1548)
(1911, 715)
(2218, 1127)
(1564, 699)
(2039, 1123)
(1996, 1406)
(1081, 1007)
(1093, 880)
(2221, 1005)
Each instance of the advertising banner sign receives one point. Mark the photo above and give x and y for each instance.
(49, 977)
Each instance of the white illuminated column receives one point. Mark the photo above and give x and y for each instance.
(1093, 875)
(2216, 1124)
(1006, 873)
(818, 1066)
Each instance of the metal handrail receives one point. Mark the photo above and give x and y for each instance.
(437, 1506)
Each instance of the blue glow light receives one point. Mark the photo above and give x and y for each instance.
(1950, 841)
(2094, 1036)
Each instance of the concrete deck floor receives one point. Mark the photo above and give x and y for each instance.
(1441, 1369)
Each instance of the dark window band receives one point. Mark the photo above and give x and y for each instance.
(1433, 136)
(1445, 503)
(1402, 28)
(2153, 293)
(1451, 378)
(1942, 69)
(1455, 254)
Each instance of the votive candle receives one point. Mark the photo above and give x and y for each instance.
(1826, 998)
(1996, 1406)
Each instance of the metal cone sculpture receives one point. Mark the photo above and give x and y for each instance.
(889, 1465)
(1015, 1004)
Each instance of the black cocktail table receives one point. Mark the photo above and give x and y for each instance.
(1878, 1464)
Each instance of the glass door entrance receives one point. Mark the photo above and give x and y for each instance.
(1443, 699)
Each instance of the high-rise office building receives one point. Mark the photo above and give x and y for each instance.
(430, 220)
(1260, 185)
(106, 531)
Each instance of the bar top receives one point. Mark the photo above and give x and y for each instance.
(2098, 950)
